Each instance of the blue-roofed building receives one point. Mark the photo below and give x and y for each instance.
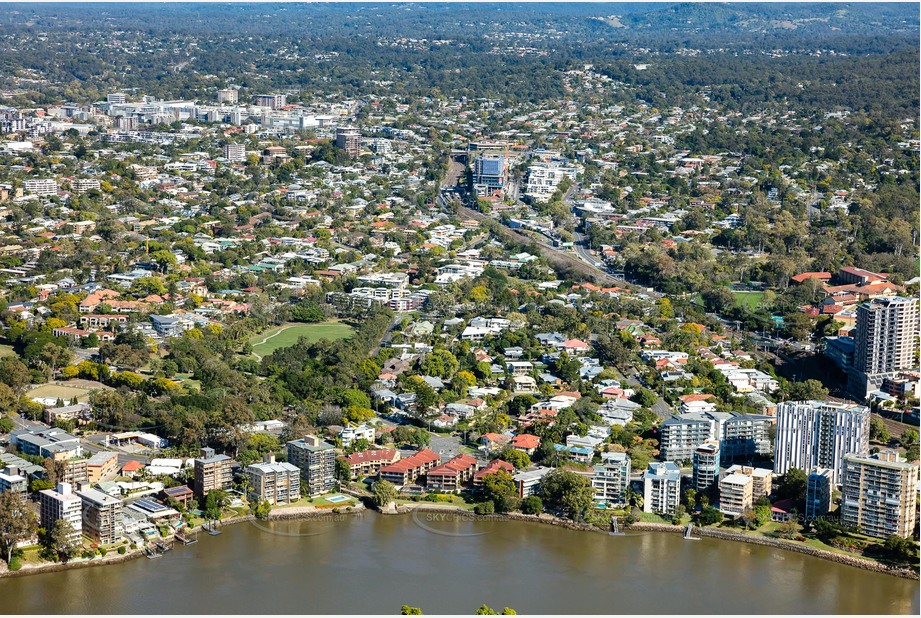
(489, 173)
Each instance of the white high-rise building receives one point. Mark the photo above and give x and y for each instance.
(818, 434)
(40, 186)
(62, 503)
(611, 479)
(662, 488)
(887, 332)
(235, 153)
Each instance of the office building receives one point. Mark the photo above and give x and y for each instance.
(235, 153)
(116, 98)
(349, 139)
(275, 482)
(818, 494)
(818, 434)
(227, 95)
(211, 472)
(489, 173)
(102, 516)
(611, 479)
(706, 466)
(662, 488)
(879, 494)
(316, 460)
(62, 503)
(736, 494)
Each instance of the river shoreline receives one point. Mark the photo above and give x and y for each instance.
(309, 513)
(855, 561)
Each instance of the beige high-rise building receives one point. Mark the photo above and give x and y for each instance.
(879, 494)
(212, 472)
(61, 503)
(277, 482)
(227, 95)
(736, 493)
(349, 139)
(102, 516)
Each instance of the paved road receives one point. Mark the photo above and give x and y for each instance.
(661, 408)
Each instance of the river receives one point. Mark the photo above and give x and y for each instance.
(447, 563)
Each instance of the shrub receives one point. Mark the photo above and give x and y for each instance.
(122, 550)
(102, 551)
(485, 508)
(15, 563)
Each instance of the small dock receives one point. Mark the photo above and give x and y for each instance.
(615, 529)
(688, 534)
(211, 528)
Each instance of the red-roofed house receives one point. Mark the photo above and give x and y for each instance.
(575, 347)
(803, 277)
(525, 442)
(131, 468)
(493, 466)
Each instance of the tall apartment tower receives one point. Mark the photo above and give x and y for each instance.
(818, 494)
(818, 434)
(212, 472)
(662, 488)
(611, 479)
(102, 516)
(316, 460)
(879, 494)
(349, 139)
(227, 95)
(62, 503)
(235, 153)
(886, 341)
(273, 101)
(706, 466)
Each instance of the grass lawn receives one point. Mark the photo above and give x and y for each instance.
(6, 350)
(749, 299)
(288, 334)
(59, 391)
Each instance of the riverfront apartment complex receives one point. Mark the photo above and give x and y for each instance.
(662, 488)
(818, 434)
(611, 479)
(879, 494)
(102, 516)
(212, 472)
(275, 482)
(741, 436)
(316, 460)
(736, 493)
(61, 503)
(706, 465)
(818, 494)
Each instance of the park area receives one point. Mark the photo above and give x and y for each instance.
(752, 300)
(288, 334)
(65, 392)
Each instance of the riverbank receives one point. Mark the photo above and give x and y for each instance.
(855, 561)
(113, 557)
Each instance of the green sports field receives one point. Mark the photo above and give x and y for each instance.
(288, 334)
(749, 299)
